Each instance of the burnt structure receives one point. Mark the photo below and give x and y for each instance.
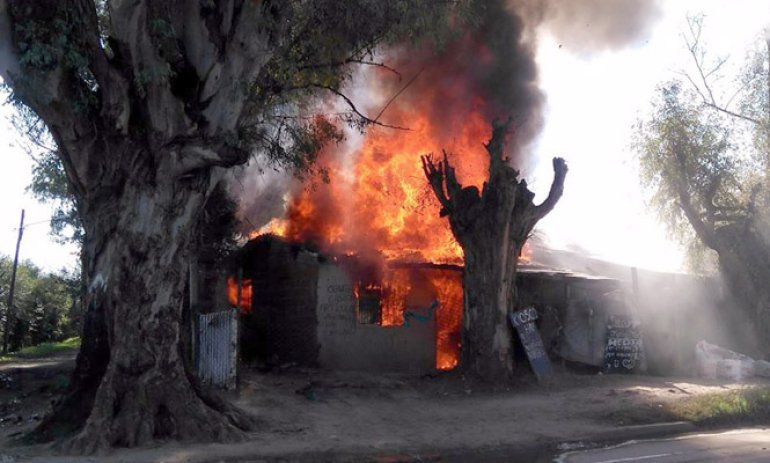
(305, 310)
(308, 309)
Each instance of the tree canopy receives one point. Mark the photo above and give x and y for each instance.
(147, 103)
(706, 160)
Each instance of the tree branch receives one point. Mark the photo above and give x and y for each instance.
(196, 152)
(435, 178)
(496, 144)
(113, 87)
(557, 189)
(713, 105)
(452, 185)
(693, 46)
(701, 229)
(396, 95)
(366, 119)
(352, 61)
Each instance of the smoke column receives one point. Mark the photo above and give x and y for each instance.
(488, 71)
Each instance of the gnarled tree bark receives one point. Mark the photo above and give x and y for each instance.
(491, 228)
(741, 244)
(146, 111)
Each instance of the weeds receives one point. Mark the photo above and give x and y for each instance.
(43, 350)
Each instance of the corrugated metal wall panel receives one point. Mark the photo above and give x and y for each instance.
(217, 348)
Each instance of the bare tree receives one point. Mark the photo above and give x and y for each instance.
(491, 229)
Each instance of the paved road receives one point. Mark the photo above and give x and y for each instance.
(742, 445)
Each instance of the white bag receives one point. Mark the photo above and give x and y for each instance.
(713, 362)
(736, 370)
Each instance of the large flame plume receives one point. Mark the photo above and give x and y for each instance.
(378, 199)
(377, 204)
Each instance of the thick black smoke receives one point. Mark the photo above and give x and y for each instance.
(489, 68)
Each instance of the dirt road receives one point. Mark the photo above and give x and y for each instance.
(327, 415)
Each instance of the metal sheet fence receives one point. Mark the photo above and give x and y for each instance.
(217, 348)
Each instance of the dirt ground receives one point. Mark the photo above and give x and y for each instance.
(332, 414)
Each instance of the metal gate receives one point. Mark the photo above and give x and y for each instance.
(217, 348)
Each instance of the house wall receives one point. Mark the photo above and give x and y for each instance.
(281, 327)
(346, 344)
(573, 312)
(304, 311)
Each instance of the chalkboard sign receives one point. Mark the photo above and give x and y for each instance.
(524, 322)
(624, 345)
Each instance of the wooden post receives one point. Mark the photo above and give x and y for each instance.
(240, 288)
(12, 289)
(635, 285)
(234, 382)
(194, 309)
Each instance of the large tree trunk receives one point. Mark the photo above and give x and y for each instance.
(139, 248)
(138, 268)
(491, 228)
(71, 411)
(742, 245)
(147, 103)
(489, 292)
(745, 265)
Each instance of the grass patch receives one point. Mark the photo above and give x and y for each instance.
(747, 406)
(43, 350)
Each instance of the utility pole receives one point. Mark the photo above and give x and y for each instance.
(9, 310)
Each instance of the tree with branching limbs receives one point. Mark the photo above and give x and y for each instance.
(704, 152)
(149, 103)
(491, 228)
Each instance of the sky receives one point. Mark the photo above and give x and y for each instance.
(593, 102)
(15, 175)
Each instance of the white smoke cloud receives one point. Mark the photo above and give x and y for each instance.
(261, 192)
(589, 26)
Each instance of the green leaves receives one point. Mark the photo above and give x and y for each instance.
(48, 46)
(50, 185)
(45, 306)
(690, 152)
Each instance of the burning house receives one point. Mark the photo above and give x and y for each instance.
(299, 306)
(336, 312)
(303, 307)
(358, 268)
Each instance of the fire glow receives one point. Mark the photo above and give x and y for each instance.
(378, 204)
(387, 208)
(232, 294)
(386, 205)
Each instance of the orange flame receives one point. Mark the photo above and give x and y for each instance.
(448, 318)
(378, 201)
(526, 255)
(386, 204)
(397, 285)
(401, 289)
(232, 294)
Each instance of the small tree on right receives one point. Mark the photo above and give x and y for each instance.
(491, 228)
(707, 163)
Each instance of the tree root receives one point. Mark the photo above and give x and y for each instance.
(132, 411)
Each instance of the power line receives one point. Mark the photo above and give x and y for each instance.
(40, 222)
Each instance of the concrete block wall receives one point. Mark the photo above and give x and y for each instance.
(346, 344)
